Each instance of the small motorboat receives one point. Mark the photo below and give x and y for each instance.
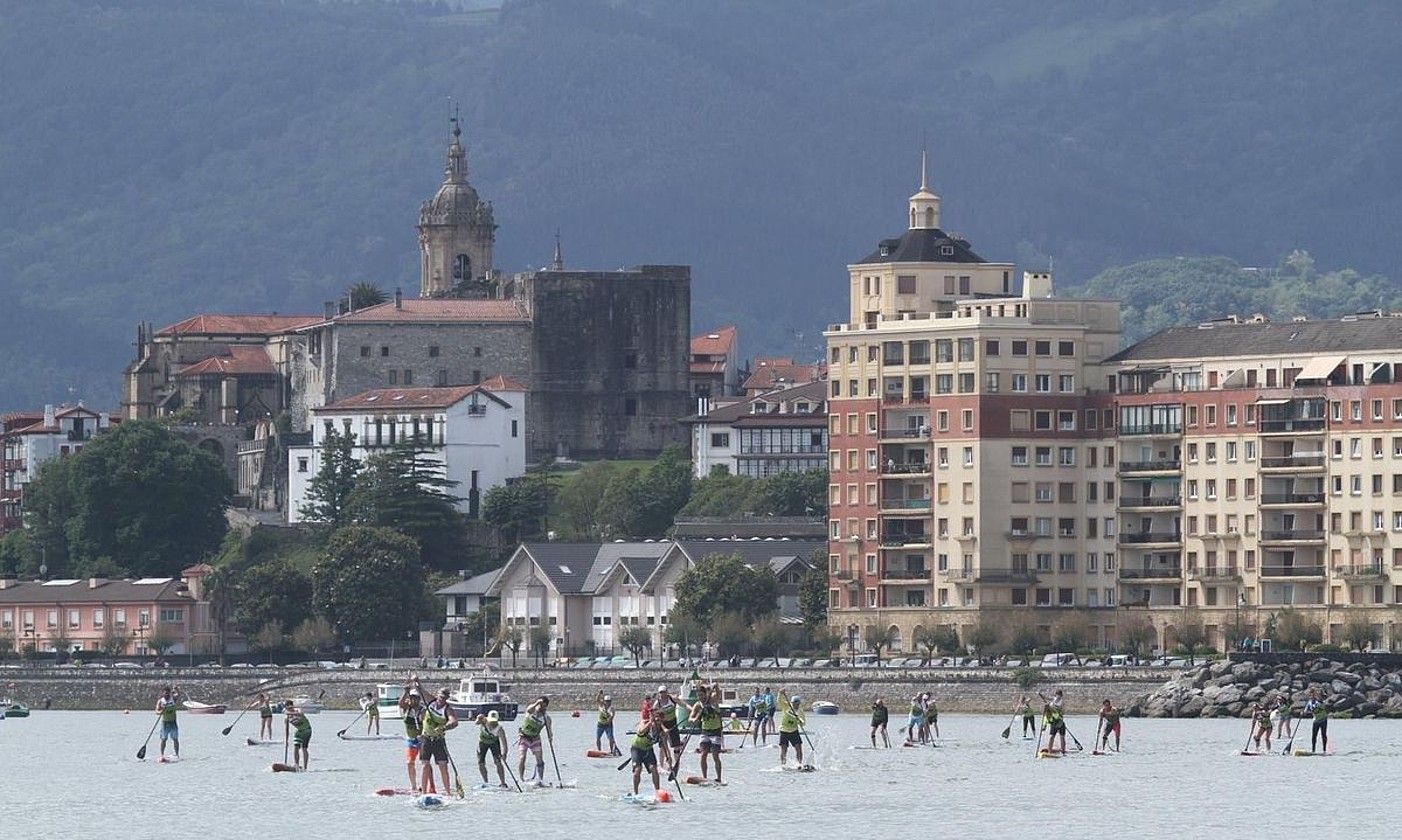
(195, 707)
(12, 709)
(388, 701)
(308, 705)
(824, 707)
(478, 695)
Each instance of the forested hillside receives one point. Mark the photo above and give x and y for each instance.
(161, 158)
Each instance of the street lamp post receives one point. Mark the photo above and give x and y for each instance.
(852, 644)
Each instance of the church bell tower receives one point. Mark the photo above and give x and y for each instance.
(456, 233)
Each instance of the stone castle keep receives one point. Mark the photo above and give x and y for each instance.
(604, 354)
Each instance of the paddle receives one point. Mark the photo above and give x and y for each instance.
(1041, 727)
(1293, 730)
(286, 729)
(550, 742)
(1074, 739)
(512, 773)
(1246, 748)
(457, 779)
(141, 753)
(343, 732)
(1008, 730)
(230, 727)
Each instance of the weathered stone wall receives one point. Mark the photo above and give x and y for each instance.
(612, 361)
(463, 349)
(956, 690)
(1230, 689)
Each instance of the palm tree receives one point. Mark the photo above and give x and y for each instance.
(365, 294)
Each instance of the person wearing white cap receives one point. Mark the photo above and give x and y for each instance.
(605, 724)
(491, 738)
(411, 710)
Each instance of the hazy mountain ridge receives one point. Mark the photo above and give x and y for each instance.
(260, 156)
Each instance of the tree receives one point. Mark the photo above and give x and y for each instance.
(813, 594)
(276, 590)
(539, 637)
(724, 495)
(1024, 639)
(683, 631)
(61, 641)
(722, 583)
(482, 625)
(512, 639)
(161, 639)
(314, 635)
(1191, 636)
(363, 294)
(368, 583)
(15, 555)
(878, 638)
(794, 494)
(1136, 636)
(1359, 633)
(329, 492)
(113, 642)
(407, 491)
(1072, 633)
(579, 498)
(1296, 632)
(772, 637)
(518, 508)
(635, 640)
(268, 639)
(932, 640)
(643, 503)
(985, 637)
(136, 500)
(7, 643)
(729, 632)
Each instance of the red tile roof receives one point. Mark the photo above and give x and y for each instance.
(238, 324)
(233, 362)
(398, 399)
(715, 343)
(433, 310)
(708, 367)
(771, 373)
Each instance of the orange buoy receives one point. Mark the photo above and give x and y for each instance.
(664, 796)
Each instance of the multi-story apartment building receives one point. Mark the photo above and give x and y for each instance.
(780, 431)
(970, 468)
(1260, 468)
(28, 439)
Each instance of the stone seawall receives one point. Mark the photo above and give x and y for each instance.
(955, 689)
(1361, 689)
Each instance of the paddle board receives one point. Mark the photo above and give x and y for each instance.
(168, 759)
(1050, 754)
(380, 737)
(1307, 753)
(388, 791)
(429, 800)
(253, 742)
(1249, 752)
(805, 768)
(483, 787)
(279, 767)
(703, 782)
(601, 754)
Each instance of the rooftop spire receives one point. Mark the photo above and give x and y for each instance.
(456, 169)
(924, 171)
(558, 262)
(924, 205)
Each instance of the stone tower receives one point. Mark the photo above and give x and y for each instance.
(456, 233)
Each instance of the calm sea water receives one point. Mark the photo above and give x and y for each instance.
(75, 775)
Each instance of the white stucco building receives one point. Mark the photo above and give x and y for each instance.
(784, 430)
(476, 431)
(30, 439)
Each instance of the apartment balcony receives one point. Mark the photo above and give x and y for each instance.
(1295, 535)
(913, 468)
(843, 575)
(1150, 502)
(906, 434)
(1153, 573)
(1025, 536)
(906, 576)
(1224, 536)
(1152, 430)
(1292, 499)
(906, 541)
(1293, 572)
(1371, 571)
(1295, 426)
(1152, 538)
(1165, 465)
(905, 399)
(1215, 574)
(1313, 462)
(1003, 575)
(905, 507)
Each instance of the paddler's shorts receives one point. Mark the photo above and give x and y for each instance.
(602, 729)
(434, 749)
(301, 740)
(713, 742)
(170, 731)
(1115, 727)
(643, 758)
(525, 745)
(674, 735)
(411, 749)
(1058, 728)
(790, 739)
(484, 747)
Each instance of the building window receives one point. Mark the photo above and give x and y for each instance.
(365, 351)
(433, 351)
(630, 406)
(1066, 348)
(1019, 348)
(408, 377)
(515, 428)
(720, 439)
(384, 351)
(301, 465)
(1041, 348)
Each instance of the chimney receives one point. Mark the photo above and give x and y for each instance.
(6, 583)
(330, 309)
(398, 298)
(94, 582)
(49, 416)
(1036, 284)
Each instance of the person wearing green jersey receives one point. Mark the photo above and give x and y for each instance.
(915, 721)
(411, 711)
(665, 710)
(372, 712)
(1029, 717)
(705, 713)
(649, 734)
(880, 716)
(1109, 722)
(605, 724)
(491, 738)
(791, 731)
(301, 729)
(265, 717)
(528, 740)
(167, 705)
(1314, 707)
(1055, 722)
(932, 717)
(438, 718)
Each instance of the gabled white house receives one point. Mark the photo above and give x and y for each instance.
(588, 593)
(784, 430)
(476, 431)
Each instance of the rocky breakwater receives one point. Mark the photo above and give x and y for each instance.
(1228, 689)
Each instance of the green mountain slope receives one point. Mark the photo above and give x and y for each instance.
(158, 159)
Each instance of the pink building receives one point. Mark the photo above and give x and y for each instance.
(83, 615)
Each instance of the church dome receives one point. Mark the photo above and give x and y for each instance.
(456, 202)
